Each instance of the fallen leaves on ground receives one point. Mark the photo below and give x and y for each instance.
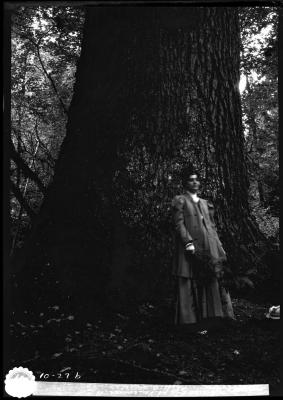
(119, 348)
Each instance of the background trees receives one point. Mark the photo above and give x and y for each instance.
(259, 68)
(46, 45)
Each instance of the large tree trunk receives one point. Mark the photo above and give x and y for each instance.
(155, 88)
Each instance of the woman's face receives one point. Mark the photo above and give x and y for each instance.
(192, 183)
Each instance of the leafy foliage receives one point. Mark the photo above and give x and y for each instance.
(45, 49)
(259, 66)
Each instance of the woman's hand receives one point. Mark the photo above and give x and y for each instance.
(190, 248)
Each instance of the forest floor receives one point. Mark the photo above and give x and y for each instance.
(144, 348)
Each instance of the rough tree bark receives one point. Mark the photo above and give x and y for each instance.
(162, 79)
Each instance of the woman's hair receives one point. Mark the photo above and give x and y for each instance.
(186, 172)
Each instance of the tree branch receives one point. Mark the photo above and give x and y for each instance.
(22, 201)
(36, 44)
(25, 168)
(42, 144)
(51, 80)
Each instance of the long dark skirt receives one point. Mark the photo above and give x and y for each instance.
(196, 301)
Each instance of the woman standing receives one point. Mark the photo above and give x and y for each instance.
(198, 257)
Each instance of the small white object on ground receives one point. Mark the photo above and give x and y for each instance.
(273, 312)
